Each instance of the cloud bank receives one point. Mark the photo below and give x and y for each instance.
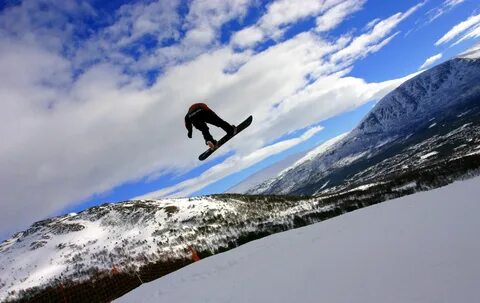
(431, 60)
(468, 28)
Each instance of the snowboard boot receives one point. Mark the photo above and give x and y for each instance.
(212, 144)
(233, 132)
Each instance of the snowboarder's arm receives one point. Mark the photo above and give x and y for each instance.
(188, 125)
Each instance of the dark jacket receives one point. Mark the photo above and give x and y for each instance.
(192, 111)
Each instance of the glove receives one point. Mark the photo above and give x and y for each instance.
(189, 135)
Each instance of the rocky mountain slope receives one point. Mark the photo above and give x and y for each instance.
(435, 113)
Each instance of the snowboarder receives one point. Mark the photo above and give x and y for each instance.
(199, 114)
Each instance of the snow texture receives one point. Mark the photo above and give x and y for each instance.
(431, 154)
(418, 248)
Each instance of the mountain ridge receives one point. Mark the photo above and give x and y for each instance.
(114, 247)
(435, 94)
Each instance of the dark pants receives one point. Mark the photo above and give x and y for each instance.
(202, 117)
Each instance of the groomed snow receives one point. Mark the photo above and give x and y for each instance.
(419, 248)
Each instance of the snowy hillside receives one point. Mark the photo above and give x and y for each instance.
(420, 248)
(432, 104)
(138, 238)
(301, 169)
(128, 236)
(108, 250)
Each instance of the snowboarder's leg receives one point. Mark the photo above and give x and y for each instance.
(214, 119)
(202, 126)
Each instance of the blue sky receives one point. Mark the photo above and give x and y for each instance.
(95, 92)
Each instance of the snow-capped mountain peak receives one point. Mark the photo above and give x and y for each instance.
(472, 53)
(440, 92)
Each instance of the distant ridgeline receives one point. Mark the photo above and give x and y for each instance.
(423, 135)
(427, 122)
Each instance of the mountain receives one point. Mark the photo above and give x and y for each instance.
(419, 248)
(133, 237)
(103, 252)
(267, 173)
(426, 121)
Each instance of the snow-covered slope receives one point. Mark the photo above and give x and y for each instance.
(298, 173)
(433, 96)
(100, 253)
(420, 248)
(114, 246)
(131, 235)
(118, 235)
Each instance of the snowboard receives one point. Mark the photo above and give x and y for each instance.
(226, 138)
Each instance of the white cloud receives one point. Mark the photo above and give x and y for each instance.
(459, 29)
(247, 37)
(337, 14)
(157, 20)
(444, 8)
(45, 24)
(371, 24)
(451, 3)
(374, 39)
(283, 13)
(160, 20)
(431, 61)
(471, 34)
(212, 14)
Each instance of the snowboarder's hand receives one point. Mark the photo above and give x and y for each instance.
(189, 135)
